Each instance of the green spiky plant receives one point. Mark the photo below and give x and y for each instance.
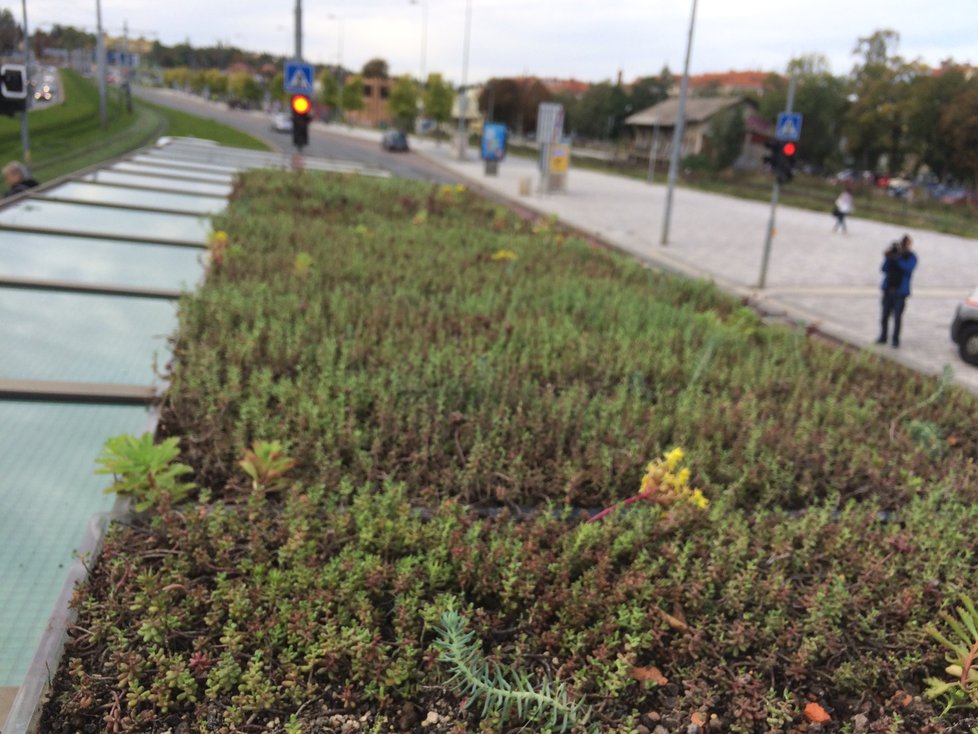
(501, 688)
(963, 691)
(146, 471)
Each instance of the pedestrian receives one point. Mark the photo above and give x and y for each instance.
(898, 264)
(17, 178)
(843, 207)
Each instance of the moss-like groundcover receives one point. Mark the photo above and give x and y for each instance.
(398, 405)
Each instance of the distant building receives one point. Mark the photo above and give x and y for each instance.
(727, 83)
(570, 86)
(656, 125)
(375, 112)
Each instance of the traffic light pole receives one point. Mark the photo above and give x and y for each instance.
(775, 191)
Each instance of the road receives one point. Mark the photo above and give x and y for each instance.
(322, 142)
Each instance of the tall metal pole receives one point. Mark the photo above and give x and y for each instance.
(100, 59)
(298, 30)
(775, 191)
(677, 137)
(424, 37)
(25, 141)
(463, 100)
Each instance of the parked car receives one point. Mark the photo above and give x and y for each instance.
(394, 140)
(964, 328)
(282, 122)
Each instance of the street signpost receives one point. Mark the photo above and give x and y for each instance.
(788, 127)
(298, 77)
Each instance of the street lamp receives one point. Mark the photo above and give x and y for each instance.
(424, 35)
(463, 100)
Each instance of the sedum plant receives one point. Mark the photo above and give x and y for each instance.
(963, 645)
(146, 471)
(502, 689)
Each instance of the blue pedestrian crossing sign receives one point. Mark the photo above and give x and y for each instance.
(298, 77)
(788, 127)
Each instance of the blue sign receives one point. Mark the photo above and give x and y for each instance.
(789, 126)
(298, 77)
(493, 141)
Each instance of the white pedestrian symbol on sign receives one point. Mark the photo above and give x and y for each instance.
(298, 80)
(789, 126)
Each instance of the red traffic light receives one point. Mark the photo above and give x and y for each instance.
(789, 149)
(301, 104)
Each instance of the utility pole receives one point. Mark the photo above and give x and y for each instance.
(298, 30)
(463, 100)
(25, 141)
(775, 191)
(100, 56)
(677, 137)
(125, 66)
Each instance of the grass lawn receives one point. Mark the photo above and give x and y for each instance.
(67, 137)
(395, 408)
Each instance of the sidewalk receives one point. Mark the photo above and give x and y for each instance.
(828, 280)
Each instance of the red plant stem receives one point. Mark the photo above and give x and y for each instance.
(967, 665)
(609, 510)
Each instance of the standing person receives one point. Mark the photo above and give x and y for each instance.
(17, 178)
(843, 208)
(898, 264)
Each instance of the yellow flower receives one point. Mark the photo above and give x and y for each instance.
(673, 458)
(218, 238)
(699, 500)
(504, 255)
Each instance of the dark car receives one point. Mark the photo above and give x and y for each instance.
(964, 328)
(394, 140)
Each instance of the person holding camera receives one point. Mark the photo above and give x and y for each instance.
(899, 262)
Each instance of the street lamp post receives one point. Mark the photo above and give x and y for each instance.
(677, 138)
(24, 136)
(100, 55)
(424, 36)
(463, 99)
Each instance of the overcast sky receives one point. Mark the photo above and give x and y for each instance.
(592, 41)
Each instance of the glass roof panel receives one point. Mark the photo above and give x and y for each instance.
(157, 160)
(90, 261)
(163, 171)
(129, 179)
(97, 220)
(80, 337)
(48, 492)
(138, 197)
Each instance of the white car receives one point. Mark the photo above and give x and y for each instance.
(282, 122)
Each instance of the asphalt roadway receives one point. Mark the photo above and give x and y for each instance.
(825, 281)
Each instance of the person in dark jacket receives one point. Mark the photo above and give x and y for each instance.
(17, 178)
(899, 262)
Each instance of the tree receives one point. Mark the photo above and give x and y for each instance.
(438, 96)
(375, 69)
(403, 102)
(932, 97)
(959, 124)
(330, 91)
(242, 86)
(276, 87)
(217, 82)
(514, 102)
(650, 90)
(10, 32)
(600, 111)
(726, 136)
(877, 120)
(352, 94)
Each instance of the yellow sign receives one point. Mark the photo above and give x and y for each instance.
(559, 158)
